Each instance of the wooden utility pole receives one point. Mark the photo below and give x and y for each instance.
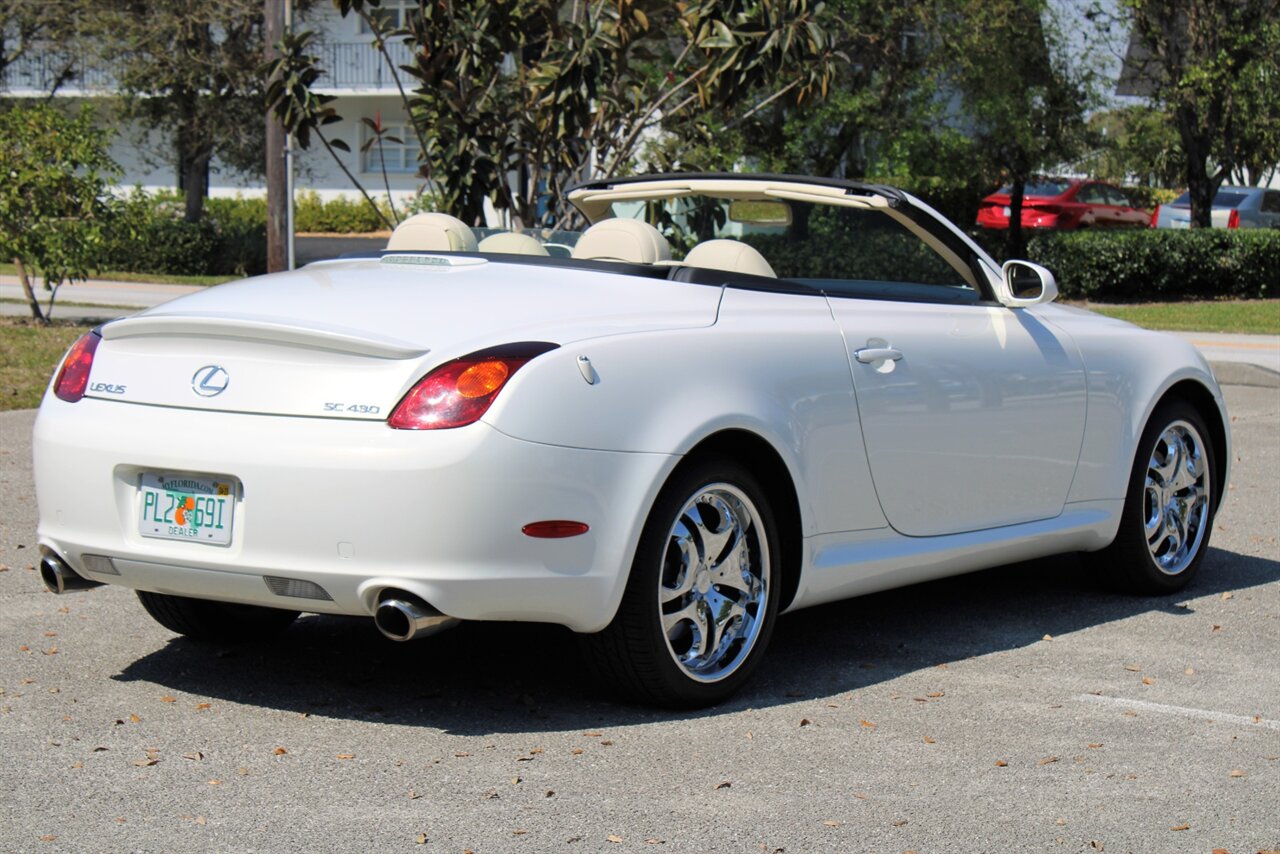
(277, 190)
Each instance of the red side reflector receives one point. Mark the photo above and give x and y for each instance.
(555, 529)
(1233, 219)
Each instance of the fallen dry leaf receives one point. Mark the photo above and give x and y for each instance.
(145, 763)
(577, 751)
(613, 838)
(653, 840)
(194, 756)
(1000, 763)
(420, 839)
(1236, 772)
(723, 785)
(867, 724)
(1133, 668)
(1047, 637)
(135, 719)
(831, 823)
(1047, 760)
(1062, 822)
(461, 753)
(1227, 595)
(413, 796)
(1094, 746)
(607, 742)
(1216, 627)
(1190, 671)
(929, 740)
(804, 722)
(168, 699)
(899, 822)
(215, 782)
(279, 751)
(49, 838)
(200, 707)
(935, 694)
(346, 756)
(518, 832)
(1181, 827)
(1147, 680)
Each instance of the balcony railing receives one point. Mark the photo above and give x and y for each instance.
(41, 72)
(347, 66)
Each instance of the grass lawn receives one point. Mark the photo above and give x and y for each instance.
(28, 355)
(1250, 317)
(154, 278)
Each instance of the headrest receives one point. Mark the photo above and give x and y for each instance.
(627, 240)
(433, 232)
(512, 243)
(732, 255)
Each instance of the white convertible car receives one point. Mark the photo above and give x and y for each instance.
(730, 397)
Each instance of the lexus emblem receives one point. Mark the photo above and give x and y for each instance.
(210, 381)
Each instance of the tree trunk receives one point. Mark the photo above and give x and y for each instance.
(1199, 185)
(29, 291)
(1016, 244)
(195, 184)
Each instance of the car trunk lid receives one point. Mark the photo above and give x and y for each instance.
(348, 339)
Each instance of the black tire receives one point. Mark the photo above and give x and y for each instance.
(1138, 560)
(205, 620)
(639, 659)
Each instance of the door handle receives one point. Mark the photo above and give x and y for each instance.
(867, 355)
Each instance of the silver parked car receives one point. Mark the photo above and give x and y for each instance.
(1233, 207)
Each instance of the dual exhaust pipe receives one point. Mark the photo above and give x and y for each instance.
(402, 616)
(59, 577)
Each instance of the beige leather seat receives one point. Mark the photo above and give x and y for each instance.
(628, 240)
(733, 256)
(433, 232)
(512, 243)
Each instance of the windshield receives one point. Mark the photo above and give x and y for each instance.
(1040, 188)
(1224, 199)
(840, 250)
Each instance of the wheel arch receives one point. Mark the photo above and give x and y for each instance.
(1203, 400)
(755, 452)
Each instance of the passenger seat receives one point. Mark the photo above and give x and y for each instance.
(733, 256)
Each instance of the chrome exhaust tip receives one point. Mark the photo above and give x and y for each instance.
(58, 577)
(402, 617)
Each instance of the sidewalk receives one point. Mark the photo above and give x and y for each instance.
(1236, 359)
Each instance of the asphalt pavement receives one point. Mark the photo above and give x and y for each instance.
(1019, 709)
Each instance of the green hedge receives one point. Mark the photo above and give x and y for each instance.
(1161, 265)
(149, 235)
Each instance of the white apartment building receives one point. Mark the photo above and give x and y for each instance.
(356, 74)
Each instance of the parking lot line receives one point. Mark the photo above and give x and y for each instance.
(1181, 711)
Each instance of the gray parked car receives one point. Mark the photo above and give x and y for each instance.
(1233, 207)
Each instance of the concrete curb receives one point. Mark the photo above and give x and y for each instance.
(1245, 373)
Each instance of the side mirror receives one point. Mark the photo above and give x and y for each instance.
(1027, 284)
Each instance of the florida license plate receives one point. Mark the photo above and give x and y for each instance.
(182, 507)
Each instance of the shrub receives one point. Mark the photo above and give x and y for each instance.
(150, 236)
(1159, 264)
(340, 215)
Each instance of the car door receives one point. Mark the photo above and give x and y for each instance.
(1269, 210)
(1124, 211)
(972, 413)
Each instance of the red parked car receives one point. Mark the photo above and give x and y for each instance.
(1064, 203)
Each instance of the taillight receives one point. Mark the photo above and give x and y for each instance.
(1155, 217)
(457, 393)
(73, 379)
(1233, 219)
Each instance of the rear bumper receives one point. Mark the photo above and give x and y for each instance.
(354, 507)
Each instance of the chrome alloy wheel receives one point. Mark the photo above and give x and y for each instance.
(1175, 508)
(713, 588)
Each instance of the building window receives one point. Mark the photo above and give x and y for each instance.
(401, 157)
(390, 15)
